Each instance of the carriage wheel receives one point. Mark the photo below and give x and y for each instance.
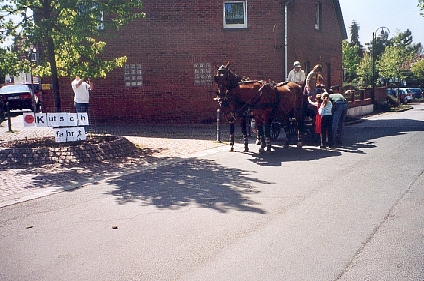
(275, 130)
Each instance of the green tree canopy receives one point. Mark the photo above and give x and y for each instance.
(68, 33)
(392, 63)
(418, 69)
(350, 61)
(365, 71)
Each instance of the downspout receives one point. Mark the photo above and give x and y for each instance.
(285, 39)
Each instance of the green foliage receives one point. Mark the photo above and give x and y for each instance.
(350, 60)
(354, 33)
(68, 33)
(392, 62)
(9, 62)
(365, 71)
(418, 69)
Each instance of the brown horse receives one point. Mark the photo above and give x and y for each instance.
(232, 105)
(266, 101)
(289, 109)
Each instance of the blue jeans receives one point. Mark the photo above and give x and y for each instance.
(339, 115)
(81, 107)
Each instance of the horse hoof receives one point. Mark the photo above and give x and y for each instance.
(261, 150)
(232, 149)
(258, 143)
(299, 145)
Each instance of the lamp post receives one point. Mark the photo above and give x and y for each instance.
(32, 57)
(374, 39)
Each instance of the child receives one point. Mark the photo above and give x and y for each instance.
(317, 103)
(326, 121)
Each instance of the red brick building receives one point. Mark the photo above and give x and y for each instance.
(173, 52)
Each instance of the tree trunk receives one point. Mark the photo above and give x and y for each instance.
(55, 79)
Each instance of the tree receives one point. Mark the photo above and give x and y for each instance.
(8, 63)
(68, 33)
(418, 69)
(404, 40)
(365, 71)
(350, 61)
(392, 63)
(354, 33)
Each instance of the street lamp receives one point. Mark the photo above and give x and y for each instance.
(32, 58)
(374, 39)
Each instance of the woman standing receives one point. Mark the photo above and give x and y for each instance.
(312, 80)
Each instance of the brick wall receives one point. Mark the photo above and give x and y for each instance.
(177, 34)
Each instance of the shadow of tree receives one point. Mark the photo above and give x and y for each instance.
(196, 182)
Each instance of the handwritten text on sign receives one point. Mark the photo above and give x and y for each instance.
(65, 124)
(55, 120)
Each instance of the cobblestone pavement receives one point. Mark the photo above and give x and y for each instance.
(159, 143)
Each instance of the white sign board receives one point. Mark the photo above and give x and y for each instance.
(55, 120)
(67, 125)
(69, 134)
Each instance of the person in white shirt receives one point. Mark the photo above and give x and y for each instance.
(82, 95)
(296, 75)
(326, 121)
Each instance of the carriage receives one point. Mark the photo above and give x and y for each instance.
(273, 107)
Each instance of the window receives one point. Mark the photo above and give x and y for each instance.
(318, 14)
(235, 14)
(132, 76)
(202, 73)
(307, 67)
(100, 25)
(93, 9)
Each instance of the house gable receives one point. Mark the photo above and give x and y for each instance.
(173, 52)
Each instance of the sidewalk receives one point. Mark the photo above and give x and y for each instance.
(159, 143)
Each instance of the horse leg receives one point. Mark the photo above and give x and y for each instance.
(258, 138)
(261, 137)
(244, 132)
(268, 136)
(287, 130)
(232, 136)
(299, 134)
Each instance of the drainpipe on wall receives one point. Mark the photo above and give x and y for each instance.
(285, 39)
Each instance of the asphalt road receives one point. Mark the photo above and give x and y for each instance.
(352, 213)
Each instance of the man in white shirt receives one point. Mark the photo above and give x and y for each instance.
(296, 75)
(82, 94)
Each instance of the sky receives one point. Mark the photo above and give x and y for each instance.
(396, 15)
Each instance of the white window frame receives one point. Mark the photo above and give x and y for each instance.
(234, 25)
(101, 25)
(318, 15)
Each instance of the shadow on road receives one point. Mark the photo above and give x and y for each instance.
(196, 182)
(356, 138)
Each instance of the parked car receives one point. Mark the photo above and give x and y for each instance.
(416, 92)
(409, 97)
(398, 93)
(19, 96)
